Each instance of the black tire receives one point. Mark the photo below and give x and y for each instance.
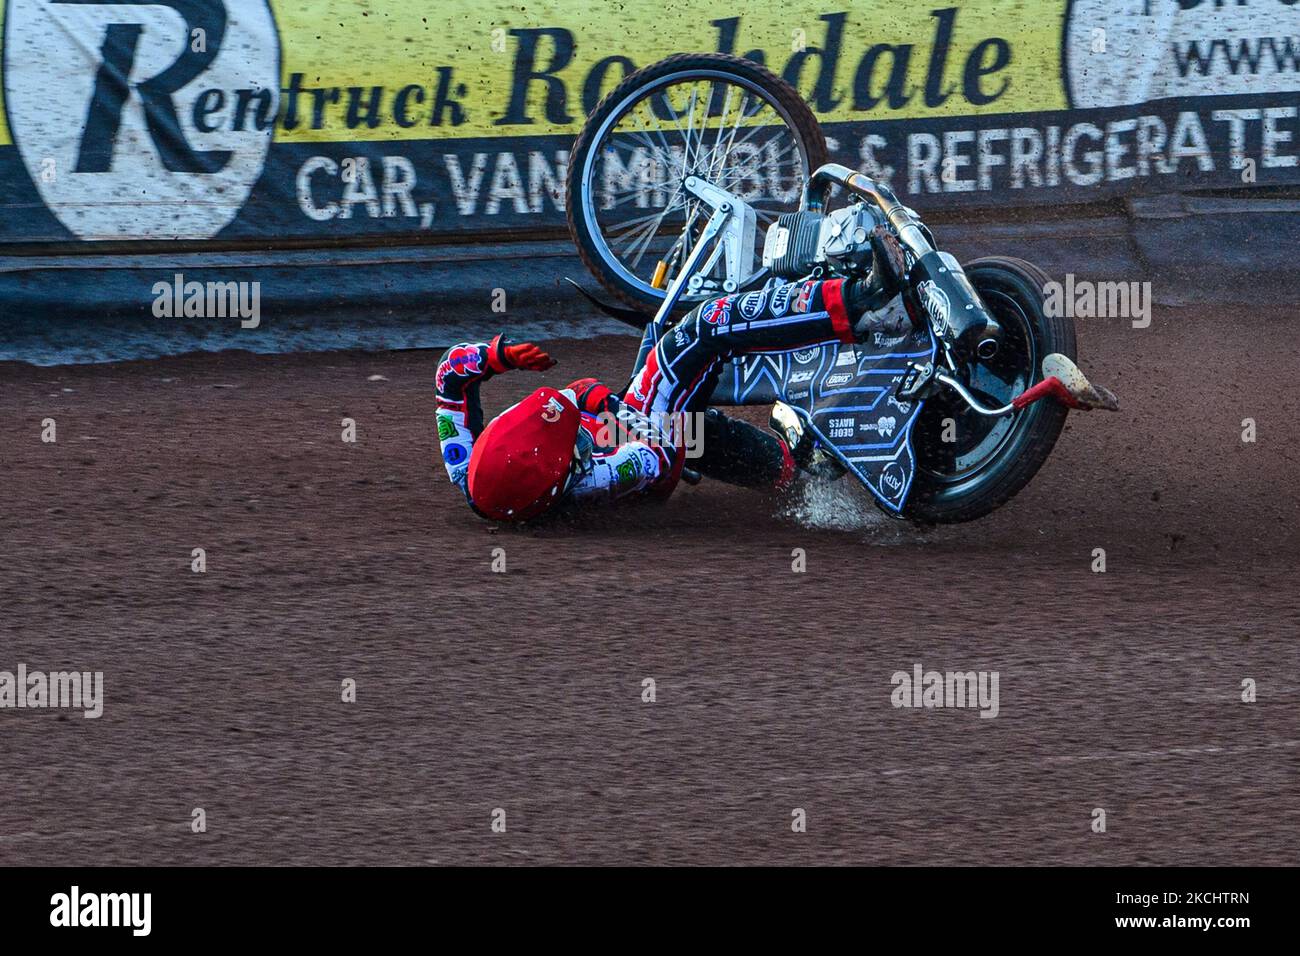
(1013, 290)
(799, 118)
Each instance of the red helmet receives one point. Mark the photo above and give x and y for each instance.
(522, 460)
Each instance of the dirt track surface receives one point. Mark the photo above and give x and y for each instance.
(522, 690)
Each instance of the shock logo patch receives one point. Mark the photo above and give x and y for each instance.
(446, 428)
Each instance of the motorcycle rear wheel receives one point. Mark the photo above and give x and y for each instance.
(992, 459)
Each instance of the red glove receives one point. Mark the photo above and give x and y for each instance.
(504, 355)
(527, 355)
(593, 397)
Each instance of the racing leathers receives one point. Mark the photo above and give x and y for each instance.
(636, 439)
(611, 470)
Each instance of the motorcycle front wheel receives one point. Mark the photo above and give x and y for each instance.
(969, 464)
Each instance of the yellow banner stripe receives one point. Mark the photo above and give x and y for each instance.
(409, 69)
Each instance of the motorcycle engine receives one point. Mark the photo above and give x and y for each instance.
(846, 238)
(792, 244)
(798, 242)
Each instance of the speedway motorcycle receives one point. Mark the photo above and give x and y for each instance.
(672, 179)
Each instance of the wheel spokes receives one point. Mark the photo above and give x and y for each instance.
(720, 130)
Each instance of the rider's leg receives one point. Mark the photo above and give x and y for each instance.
(678, 375)
(738, 453)
(680, 372)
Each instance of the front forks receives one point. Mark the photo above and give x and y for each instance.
(734, 220)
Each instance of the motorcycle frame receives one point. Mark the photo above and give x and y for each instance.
(961, 322)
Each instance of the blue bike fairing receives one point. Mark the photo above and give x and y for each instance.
(846, 393)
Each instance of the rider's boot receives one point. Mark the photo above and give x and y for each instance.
(734, 451)
(804, 449)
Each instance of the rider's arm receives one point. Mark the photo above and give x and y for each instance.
(632, 466)
(629, 469)
(592, 397)
(462, 369)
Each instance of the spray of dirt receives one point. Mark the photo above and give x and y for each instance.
(844, 505)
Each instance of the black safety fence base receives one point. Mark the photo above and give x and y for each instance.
(1205, 251)
(989, 905)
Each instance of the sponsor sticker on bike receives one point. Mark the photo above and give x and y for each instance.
(893, 481)
(552, 411)
(936, 303)
(883, 426)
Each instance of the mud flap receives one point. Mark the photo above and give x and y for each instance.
(846, 393)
